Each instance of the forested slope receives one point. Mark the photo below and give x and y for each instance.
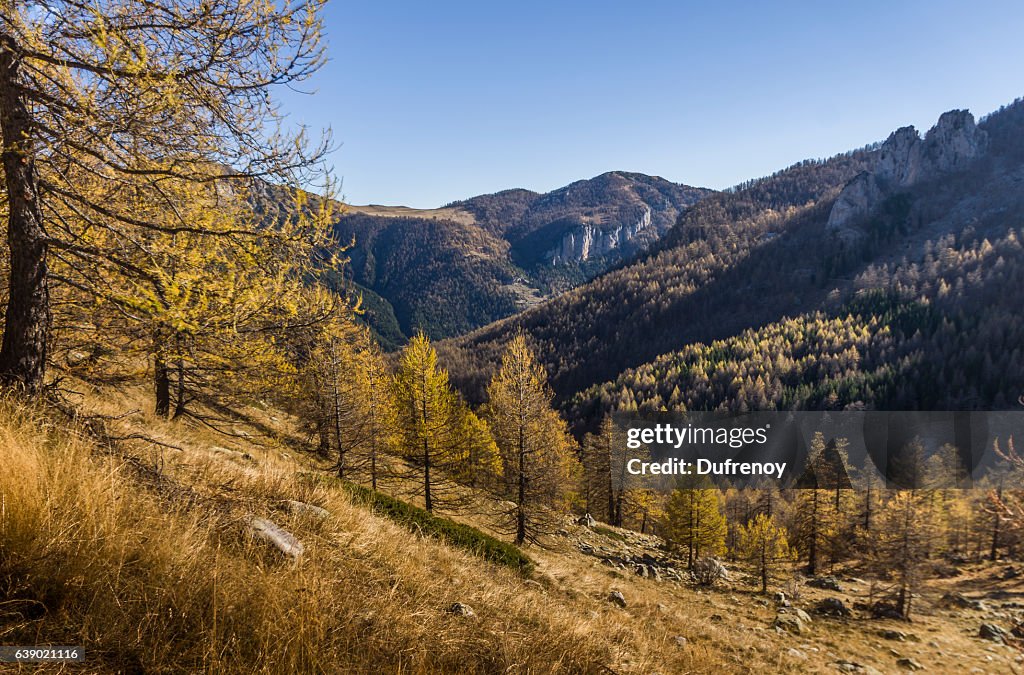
(745, 260)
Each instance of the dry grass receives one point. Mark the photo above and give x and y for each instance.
(457, 215)
(152, 572)
(139, 552)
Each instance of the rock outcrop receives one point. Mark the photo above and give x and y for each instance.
(906, 159)
(593, 241)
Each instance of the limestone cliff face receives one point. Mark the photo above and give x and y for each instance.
(592, 241)
(905, 159)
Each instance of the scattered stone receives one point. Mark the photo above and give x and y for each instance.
(885, 610)
(303, 508)
(804, 616)
(780, 599)
(586, 520)
(617, 598)
(1018, 631)
(716, 618)
(909, 664)
(990, 631)
(460, 609)
(561, 532)
(790, 623)
(962, 601)
(796, 653)
(833, 607)
(679, 640)
(532, 583)
(708, 571)
(1010, 573)
(828, 583)
(899, 636)
(854, 667)
(281, 539)
(946, 571)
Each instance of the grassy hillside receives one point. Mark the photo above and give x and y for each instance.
(139, 552)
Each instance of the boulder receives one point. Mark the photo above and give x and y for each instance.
(961, 601)
(303, 508)
(793, 620)
(833, 607)
(992, 632)
(909, 664)
(617, 598)
(281, 539)
(708, 571)
(586, 520)
(828, 583)
(780, 599)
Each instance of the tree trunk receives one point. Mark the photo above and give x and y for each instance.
(23, 352)
(428, 502)
(812, 548)
(179, 402)
(520, 511)
(162, 386)
(994, 551)
(323, 433)
(764, 569)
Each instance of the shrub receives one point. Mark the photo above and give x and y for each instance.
(452, 533)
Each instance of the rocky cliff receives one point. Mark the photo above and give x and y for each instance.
(591, 240)
(905, 159)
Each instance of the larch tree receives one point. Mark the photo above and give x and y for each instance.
(110, 111)
(428, 418)
(903, 541)
(535, 445)
(606, 480)
(763, 543)
(694, 521)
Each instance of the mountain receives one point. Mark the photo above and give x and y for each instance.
(450, 270)
(888, 276)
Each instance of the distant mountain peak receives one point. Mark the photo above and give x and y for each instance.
(905, 159)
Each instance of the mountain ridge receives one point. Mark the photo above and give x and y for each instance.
(751, 257)
(449, 270)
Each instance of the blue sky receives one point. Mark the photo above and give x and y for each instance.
(435, 101)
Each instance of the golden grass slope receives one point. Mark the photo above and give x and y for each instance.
(152, 573)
